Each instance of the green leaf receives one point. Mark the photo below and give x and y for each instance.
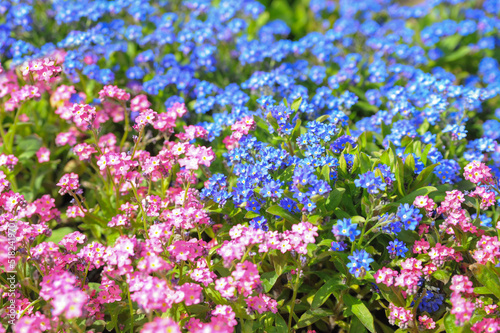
(198, 308)
(461, 52)
(356, 326)
(58, 234)
(364, 162)
(268, 280)
(482, 291)
(296, 131)
(323, 118)
(280, 323)
(487, 276)
(423, 177)
(334, 198)
(296, 104)
(280, 211)
(424, 154)
(389, 295)
(342, 164)
(411, 197)
(449, 324)
(361, 311)
(409, 165)
(442, 275)
(332, 285)
(327, 242)
(272, 121)
(251, 215)
(311, 316)
(325, 173)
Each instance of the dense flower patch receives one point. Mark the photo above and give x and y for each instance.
(220, 166)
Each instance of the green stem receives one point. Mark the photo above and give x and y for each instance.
(292, 305)
(137, 143)
(127, 126)
(85, 275)
(142, 208)
(12, 132)
(78, 329)
(131, 310)
(26, 308)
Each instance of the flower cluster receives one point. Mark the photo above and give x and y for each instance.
(207, 166)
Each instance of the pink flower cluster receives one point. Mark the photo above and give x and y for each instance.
(423, 201)
(83, 114)
(426, 323)
(487, 250)
(439, 254)
(68, 183)
(8, 161)
(139, 103)
(243, 237)
(262, 303)
(486, 325)
(223, 320)
(161, 325)
(42, 69)
(114, 92)
(244, 280)
(487, 197)
(239, 128)
(21, 95)
(478, 173)
(451, 207)
(61, 289)
(411, 271)
(400, 316)
(462, 308)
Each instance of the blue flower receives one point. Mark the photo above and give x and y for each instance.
(338, 146)
(397, 248)
(338, 246)
(409, 216)
(345, 228)
(359, 263)
(430, 302)
(372, 183)
(259, 223)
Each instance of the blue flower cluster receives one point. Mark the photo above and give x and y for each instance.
(345, 228)
(409, 216)
(178, 49)
(397, 248)
(374, 184)
(259, 223)
(359, 263)
(431, 301)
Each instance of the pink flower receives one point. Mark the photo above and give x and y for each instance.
(161, 325)
(478, 173)
(71, 240)
(385, 276)
(84, 151)
(139, 103)
(427, 323)
(68, 183)
(43, 155)
(8, 161)
(461, 284)
(400, 316)
(177, 110)
(191, 293)
(114, 92)
(66, 138)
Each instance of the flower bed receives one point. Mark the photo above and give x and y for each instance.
(220, 166)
